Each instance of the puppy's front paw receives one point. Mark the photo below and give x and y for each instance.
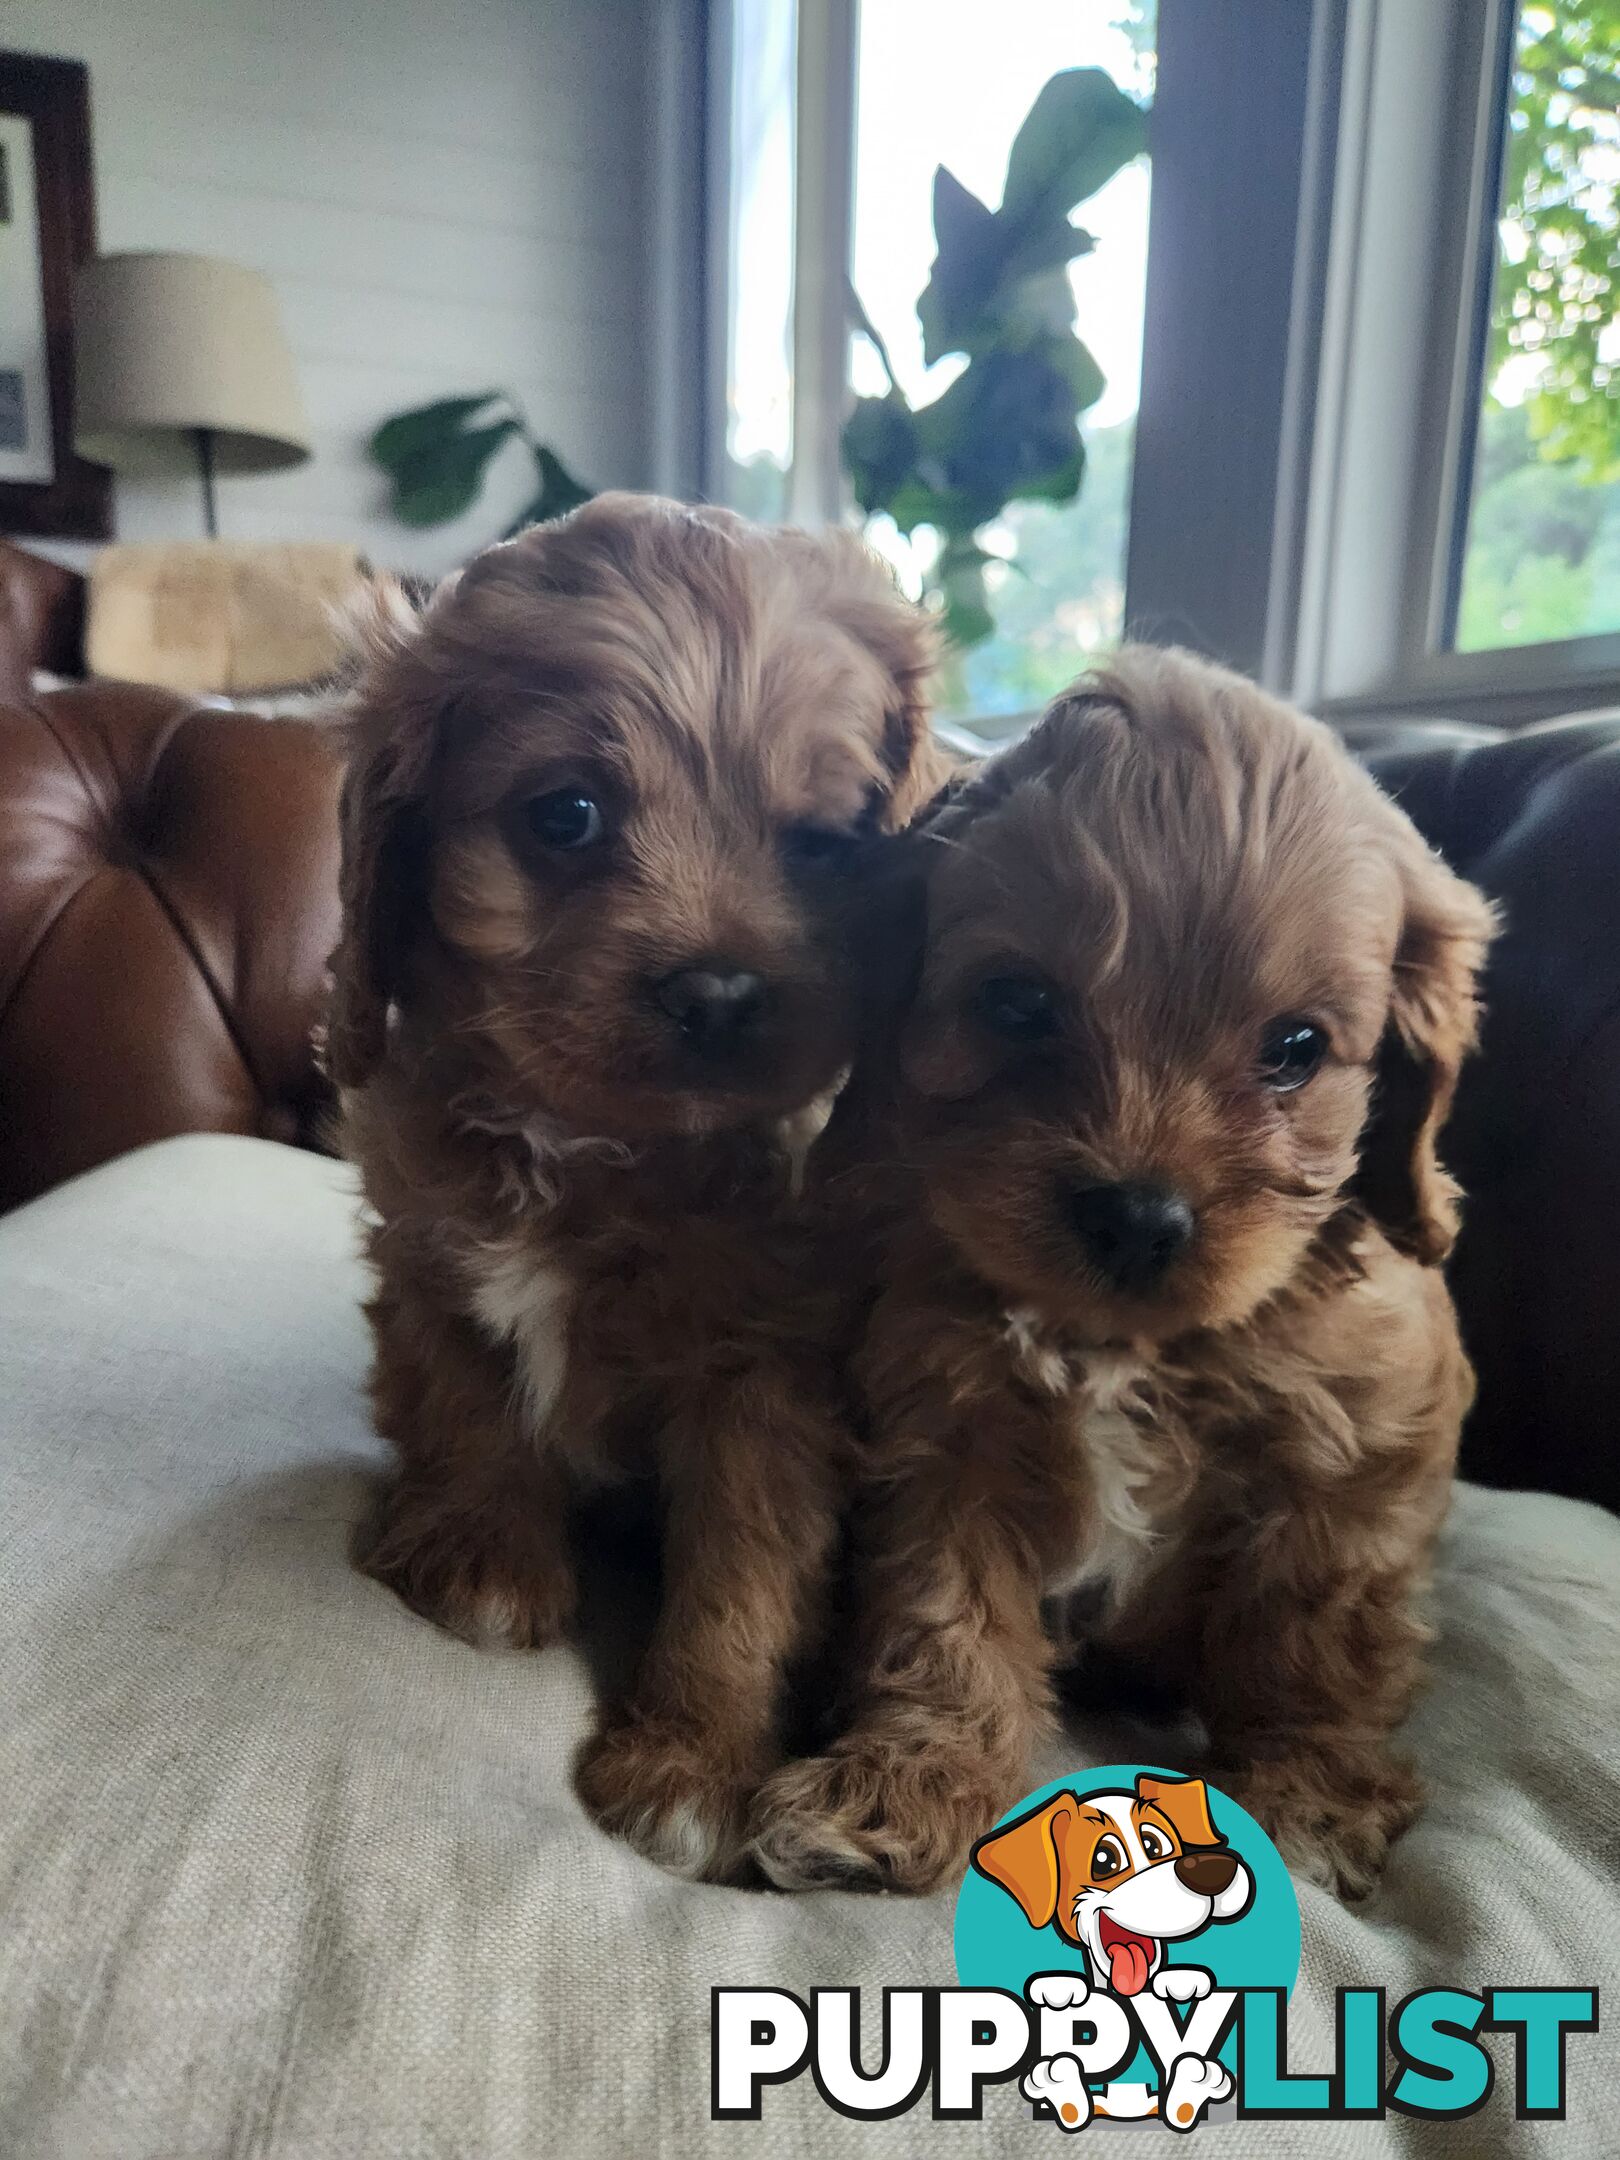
(489, 1591)
(1332, 1821)
(1181, 1983)
(665, 1789)
(865, 1816)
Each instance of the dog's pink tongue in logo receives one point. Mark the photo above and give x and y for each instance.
(1130, 1957)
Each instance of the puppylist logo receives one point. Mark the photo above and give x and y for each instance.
(1126, 1942)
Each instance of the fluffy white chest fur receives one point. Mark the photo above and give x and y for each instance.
(1100, 1392)
(1126, 1480)
(520, 1299)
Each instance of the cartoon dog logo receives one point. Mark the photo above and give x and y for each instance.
(1118, 1875)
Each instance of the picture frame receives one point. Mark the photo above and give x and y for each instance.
(47, 228)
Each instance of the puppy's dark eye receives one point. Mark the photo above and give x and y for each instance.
(1291, 1049)
(1018, 1006)
(820, 847)
(565, 819)
(1108, 1860)
(1154, 1843)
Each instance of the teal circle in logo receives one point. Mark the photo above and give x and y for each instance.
(1088, 1854)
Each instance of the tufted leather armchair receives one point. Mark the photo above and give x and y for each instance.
(41, 619)
(168, 899)
(168, 896)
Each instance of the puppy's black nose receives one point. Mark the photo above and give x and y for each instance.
(1131, 1233)
(713, 1008)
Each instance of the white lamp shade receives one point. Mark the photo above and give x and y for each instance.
(172, 343)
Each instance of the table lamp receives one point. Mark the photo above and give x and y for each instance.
(184, 345)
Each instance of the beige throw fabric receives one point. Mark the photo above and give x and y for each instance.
(285, 1873)
(219, 615)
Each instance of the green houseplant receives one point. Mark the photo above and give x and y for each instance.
(436, 458)
(1007, 427)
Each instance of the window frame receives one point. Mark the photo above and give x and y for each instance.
(683, 72)
(1284, 515)
(822, 213)
(1379, 444)
(823, 251)
(1230, 139)
(1186, 487)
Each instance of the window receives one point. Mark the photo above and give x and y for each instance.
(1056, 587)
(1456, 448)
(759, 195)
(1360, 430)
(836, 117)
(1540, 545)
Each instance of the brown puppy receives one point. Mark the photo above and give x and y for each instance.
(1162, 1329)
(603, 800)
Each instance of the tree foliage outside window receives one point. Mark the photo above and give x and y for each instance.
(1543, 553)
(1558, 286)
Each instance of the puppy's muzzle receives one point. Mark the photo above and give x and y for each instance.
(1131, 1232)
(715, 1008)
(1206, 1873)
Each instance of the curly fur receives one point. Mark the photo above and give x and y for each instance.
(1235, 1476)
(590, 1261)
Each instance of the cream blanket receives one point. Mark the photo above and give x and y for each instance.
(220, 615)
(288, 1874)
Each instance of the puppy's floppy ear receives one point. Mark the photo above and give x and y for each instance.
(941, 1054)
(1433, 1023)
(1022, 1859)
(969, 787)
(863, 596)
(383, 814)
(917, 761)
(1184, 1803)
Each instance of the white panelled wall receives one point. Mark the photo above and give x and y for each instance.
(449, 195)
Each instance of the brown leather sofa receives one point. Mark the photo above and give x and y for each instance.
(168, 899)
(41, 619)
(168, 885)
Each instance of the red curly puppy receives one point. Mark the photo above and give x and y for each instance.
(592, 983)
(1162, 1330)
